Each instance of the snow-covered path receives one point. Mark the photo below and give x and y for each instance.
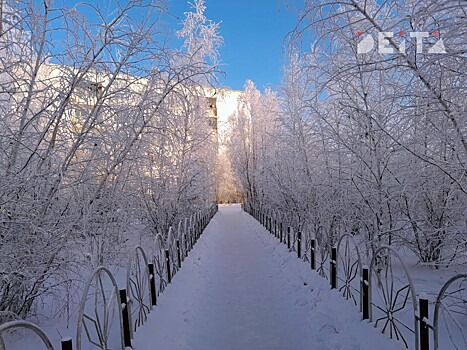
(241, 289)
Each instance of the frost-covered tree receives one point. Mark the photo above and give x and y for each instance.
(371, 144)
(94, 101)
(251, 139)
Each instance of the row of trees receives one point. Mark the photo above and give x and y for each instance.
(368, 143)
(103, 134)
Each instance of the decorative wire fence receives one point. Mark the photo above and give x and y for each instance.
(386, 299)
(108, 316)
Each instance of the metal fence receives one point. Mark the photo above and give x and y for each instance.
(109, 317)
(387, 300)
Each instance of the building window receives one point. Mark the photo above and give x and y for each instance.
(212, 105)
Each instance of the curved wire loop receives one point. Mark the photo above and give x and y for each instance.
(349, 269)
(97, 321)
(24, 325)
(451, 305)
(138, 286)
(159, 263)
(390, 297)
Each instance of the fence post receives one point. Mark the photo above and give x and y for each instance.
(365, 294)
(67, 343)
(167, 262)
(312, 254)
(275, 228)
(126, 318)
(288, 237)
(186, 246)
(153, 284)
(333, 268)
(299, 244)
(179, 256)
(281, 230)
(424, 331)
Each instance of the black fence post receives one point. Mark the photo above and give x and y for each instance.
(126, 318)
(67, 343)
(312, 254)
(281, 230)
(179, 255)
(288, 237)
(299, 244)
(333, 268)
(186, 246)
(365, 294)
(275, 228)
(424, 331)
(167, 262)
(191, 239)
(153, 284)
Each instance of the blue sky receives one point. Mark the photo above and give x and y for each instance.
(253, 32)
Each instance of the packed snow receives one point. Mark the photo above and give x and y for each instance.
(241, 289)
